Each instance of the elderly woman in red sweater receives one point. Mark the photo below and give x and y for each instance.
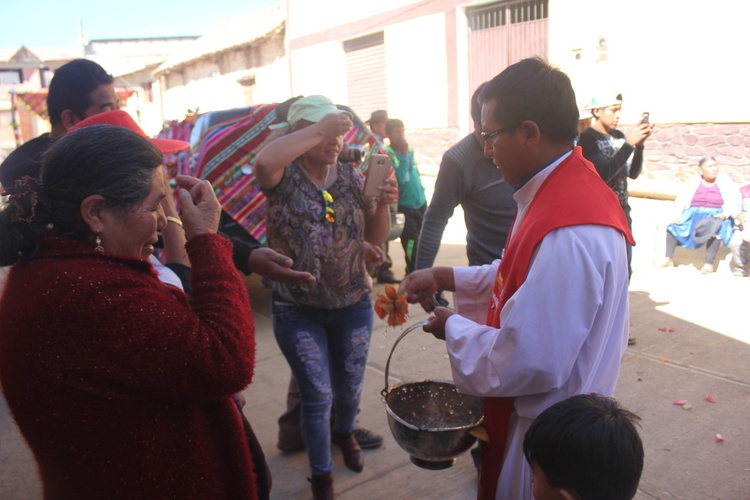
(121, 386)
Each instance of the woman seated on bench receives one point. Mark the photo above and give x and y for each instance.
(704, 209)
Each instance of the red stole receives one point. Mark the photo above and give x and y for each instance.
(573, 194)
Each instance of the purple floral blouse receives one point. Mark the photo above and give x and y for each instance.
(333, 252)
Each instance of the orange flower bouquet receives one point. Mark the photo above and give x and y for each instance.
(393, 305)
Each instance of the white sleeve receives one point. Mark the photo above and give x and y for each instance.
(166, 275)
(473, 288)
(575, 274)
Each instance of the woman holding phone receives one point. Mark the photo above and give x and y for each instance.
(121, 385)
(318, 216)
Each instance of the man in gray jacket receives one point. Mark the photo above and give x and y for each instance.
(469, 179)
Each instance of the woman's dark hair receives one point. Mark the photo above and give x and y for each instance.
(587, 444)
(110, 161)
(534, 90)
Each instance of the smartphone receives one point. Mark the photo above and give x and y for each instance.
(644, 117)
(378, 168)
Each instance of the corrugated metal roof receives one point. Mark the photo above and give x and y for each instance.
(236, 32)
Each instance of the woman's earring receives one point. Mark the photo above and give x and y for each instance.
(99, 248)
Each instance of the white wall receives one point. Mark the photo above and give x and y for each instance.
(463, 92)
(417, 72)
(320, 69)
(682, 60)
(306, 17)
(272, 82)
(417, 84)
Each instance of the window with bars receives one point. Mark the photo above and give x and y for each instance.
(503, 13)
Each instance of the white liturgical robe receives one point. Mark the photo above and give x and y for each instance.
(562, 333)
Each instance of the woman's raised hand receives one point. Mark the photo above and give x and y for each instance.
(334, 125)
(200, 208)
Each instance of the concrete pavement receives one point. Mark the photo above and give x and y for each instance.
(693, 341)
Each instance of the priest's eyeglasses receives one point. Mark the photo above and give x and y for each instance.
(492, 135)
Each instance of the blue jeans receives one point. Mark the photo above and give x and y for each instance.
(327, 352)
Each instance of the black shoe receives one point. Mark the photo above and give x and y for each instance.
(631, 340)
(367, 439)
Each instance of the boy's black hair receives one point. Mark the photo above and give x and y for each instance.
(587, 444)
(532, 89)
(71, 88)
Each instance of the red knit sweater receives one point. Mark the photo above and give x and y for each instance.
(121, 387)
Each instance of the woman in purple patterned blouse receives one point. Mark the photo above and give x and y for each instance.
(318, 216)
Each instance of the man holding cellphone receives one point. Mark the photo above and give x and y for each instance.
(615, 155)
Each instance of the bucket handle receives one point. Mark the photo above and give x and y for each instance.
(413, 327)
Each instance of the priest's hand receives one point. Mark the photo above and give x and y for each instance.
(436, 325)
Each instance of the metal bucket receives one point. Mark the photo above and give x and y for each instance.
(430, 420)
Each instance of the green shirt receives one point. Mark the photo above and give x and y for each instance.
(410, 189)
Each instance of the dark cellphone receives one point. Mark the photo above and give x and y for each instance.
(644, 117)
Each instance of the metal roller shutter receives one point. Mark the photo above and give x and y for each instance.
(366, 74)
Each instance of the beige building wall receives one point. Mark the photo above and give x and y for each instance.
(123, 56)
(233, 78)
